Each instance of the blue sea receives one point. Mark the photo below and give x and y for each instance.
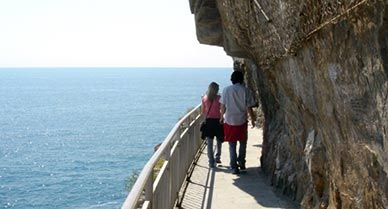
(71, 138)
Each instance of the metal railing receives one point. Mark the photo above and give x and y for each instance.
(178, 151)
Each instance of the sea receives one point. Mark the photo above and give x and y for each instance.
(76, 137)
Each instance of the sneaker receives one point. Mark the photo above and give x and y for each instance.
(236, 171)
(241, 166)
(218, 161)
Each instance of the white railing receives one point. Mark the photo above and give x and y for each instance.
(178, 151)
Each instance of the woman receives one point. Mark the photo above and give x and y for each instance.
(211, 111)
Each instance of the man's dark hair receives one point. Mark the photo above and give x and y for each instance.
(237, 77)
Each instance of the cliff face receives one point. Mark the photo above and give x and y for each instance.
(320, 70)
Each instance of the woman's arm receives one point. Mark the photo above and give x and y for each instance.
(222, 112)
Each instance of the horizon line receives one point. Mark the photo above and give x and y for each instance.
(132, 67)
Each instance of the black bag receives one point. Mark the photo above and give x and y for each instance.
(203, 127)
(212, 128)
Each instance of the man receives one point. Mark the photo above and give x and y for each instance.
(236, 101)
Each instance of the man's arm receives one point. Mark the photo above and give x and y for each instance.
(252, 116)
(222, 111)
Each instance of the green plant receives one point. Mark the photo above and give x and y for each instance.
(158, 167)
(130, 181)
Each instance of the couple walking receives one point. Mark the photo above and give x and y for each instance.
(226, 119)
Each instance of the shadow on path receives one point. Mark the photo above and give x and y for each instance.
(220, 189)
(254, 183)
(200, 187)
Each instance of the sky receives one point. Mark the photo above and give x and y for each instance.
(102, 33)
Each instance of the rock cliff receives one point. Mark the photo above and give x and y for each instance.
(320, 70)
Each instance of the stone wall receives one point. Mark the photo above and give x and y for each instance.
(320, 70)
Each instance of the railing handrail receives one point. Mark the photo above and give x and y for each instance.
(147, 171)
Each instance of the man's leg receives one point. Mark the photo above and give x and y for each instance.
(233, 157)
(218, 151)
(242, 154)
(210, 154)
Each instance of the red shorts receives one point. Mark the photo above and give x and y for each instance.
(235, 133)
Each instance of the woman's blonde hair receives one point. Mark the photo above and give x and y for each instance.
(212, 91)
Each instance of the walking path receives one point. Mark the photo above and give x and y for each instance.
(218, 188)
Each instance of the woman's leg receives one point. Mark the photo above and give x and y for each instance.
(218, 151)
(210, 153)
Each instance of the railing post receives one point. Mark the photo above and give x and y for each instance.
(167, 155)
(148, 189)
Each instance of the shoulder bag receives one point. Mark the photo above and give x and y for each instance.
(203, 127)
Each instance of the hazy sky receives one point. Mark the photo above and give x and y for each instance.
(104, 33)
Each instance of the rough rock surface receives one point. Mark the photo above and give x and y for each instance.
(320, 70)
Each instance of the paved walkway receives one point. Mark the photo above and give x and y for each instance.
(220, 189)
